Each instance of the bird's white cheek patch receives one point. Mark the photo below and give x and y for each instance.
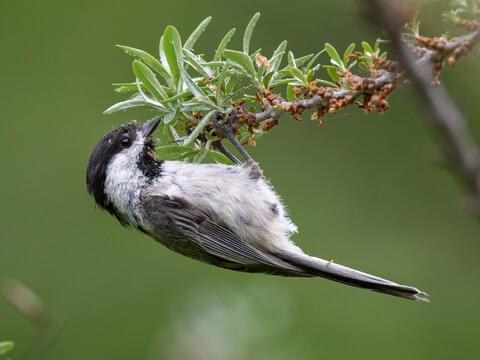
(123, 184)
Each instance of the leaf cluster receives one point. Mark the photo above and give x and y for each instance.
(187, 88)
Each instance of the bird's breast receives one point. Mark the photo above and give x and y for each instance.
(247, 206)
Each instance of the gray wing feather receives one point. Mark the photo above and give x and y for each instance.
(190, 231)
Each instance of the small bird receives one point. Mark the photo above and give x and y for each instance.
(225, 215)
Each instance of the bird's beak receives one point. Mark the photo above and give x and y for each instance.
(149, 127)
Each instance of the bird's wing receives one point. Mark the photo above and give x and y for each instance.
(192, 232)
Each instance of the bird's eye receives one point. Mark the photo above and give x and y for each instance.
(126, 142)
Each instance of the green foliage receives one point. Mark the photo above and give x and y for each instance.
(187, 88)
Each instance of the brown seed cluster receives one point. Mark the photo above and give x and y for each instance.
(448, 50)
(468, 24)
(436, 43)
(459, 51)
(262, 60)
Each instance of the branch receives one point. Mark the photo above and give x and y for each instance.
(429, 53)
(333, 99)
(457, 144)
(186, 88)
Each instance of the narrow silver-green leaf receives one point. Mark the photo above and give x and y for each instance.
(327, 83)
(291, 60)
(332, 72)
(367, 48)
(198, 129)
(125, 87)
(171, 51)
(303, 60)
(193, 87)
(174, 152)
(276, 59)
(178, 96)
(247, 36)
(150, 101)
(137, 101)
(218, 157)
(192, 39)
(312, 60)
(282, 81)
(149, 80)
(223, 44)
(348, 51)
(194, 105)
(290, 92)
(296, 73)
(333, 53)
(197, 63)
(147, 59)
(167, 119)
(242, 59)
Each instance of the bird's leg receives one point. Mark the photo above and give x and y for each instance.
(221, 147)
(226, 129)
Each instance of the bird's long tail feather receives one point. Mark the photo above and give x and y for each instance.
(346, 275)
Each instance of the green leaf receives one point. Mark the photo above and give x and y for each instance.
(290, 92)
(167, 119)
(125, 87)
(149, 60)
(193, 87)
(348, 51)
(282, 81)
(242, 59)
(149, 80)
(327, 83)
(6, 346)
(276, 59)
(192, 39)
(296, 73)
(216, 156)
(332, 72)
(247, 36)
(171, 52)
(223, 44)
(197, 63)
(198, 129)
(367, 49)
(174, 152)
(333, 53)
(312, 60)
(194, 105)
(310, 75)
(135, 102)
(267, 79)
(291, 60)
(200, 155)
(181, 95)
(302, 60)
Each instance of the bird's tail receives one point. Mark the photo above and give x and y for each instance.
(329, 270)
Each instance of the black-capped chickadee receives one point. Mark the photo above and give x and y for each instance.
(228, 216)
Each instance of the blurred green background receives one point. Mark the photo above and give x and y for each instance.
(365, 190)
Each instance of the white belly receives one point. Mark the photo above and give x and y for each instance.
(229, 194)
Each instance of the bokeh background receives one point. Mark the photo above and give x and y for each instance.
(365, 190)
